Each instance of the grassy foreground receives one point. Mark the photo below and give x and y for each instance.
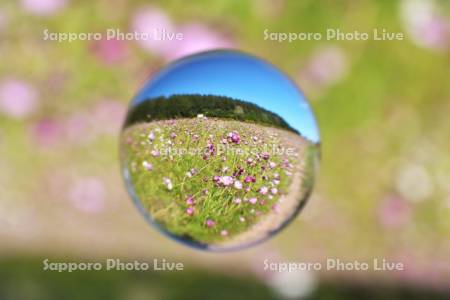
(209, 180)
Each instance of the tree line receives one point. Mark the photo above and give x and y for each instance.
(191, 105)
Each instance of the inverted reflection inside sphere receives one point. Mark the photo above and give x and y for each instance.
(219, 150)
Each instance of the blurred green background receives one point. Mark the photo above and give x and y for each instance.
(383, 189)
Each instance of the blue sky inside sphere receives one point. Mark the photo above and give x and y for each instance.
(236, 75)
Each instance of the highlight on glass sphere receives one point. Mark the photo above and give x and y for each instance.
(219, 150)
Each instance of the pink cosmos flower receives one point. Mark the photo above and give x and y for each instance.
(249, 179)
(263, 190)
(43, 7)
(148, 166)
(210, 223)
(272, 165)
(190, 200)
(265, 156)
(224, 233)
(234, 137)
(238, 172)
(226, 180)
(190, 211)
(274, 191)
(253, 200)
(151, 136)
(18, 99)
(237, 185)
(173, 135)
(237, 200)
(155, 153)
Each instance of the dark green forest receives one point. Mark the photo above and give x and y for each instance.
(190, 105)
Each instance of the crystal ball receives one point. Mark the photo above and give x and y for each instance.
(219, 150)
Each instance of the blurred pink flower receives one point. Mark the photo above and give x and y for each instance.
(18, 99)
(88, 195)
(109, 51)
(226, 180)
(47, 132)
(151, 136)
(424, 23)
(210, 223)
(249, 179)
(197, 37)
(43, 7)
(263, 190)
(394, 212)
(148, 20)
(110, 114)
(435, 33)
(190, 200)
(190, 211)
(77, 128)
(147, 166)
(238, 185)
(327, 66)
(3, 20)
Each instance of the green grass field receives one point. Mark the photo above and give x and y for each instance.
(209, 180)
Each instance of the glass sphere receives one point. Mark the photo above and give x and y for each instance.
(219, 150)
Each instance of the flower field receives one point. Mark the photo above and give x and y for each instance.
(217, 183)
